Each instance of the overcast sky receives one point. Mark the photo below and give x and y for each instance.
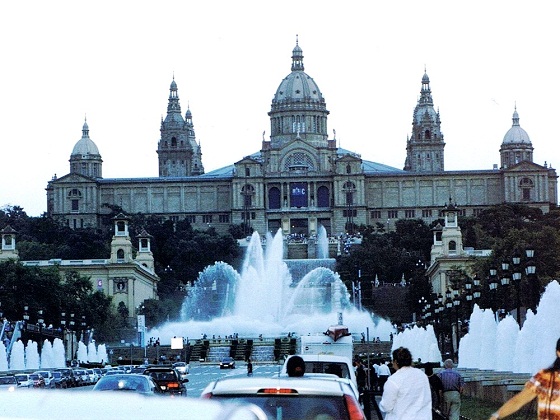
(113, 62)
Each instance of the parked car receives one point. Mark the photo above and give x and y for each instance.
(227, 363)
(168, 379)
(24, 380)
(93, 377)
(72, 380)
(47, 376)
(130, 382)
(82, 377)
(290, 398)
(38, 380)
(8, 383)
(59, 380)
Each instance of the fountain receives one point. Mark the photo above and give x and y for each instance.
(322, 243)
(503, 346)
(267, 299)
(421, 342)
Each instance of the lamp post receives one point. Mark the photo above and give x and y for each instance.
(40, 322)
(449, 306)
(63, 327)
(456, 304)
(516, 276)
(493, 285)
(72, 323)
(83, 324)
(530, 271)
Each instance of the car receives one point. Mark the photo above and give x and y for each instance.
(129, 382)
(38, 380)
(69, 404)
(290, 398)
(168, 379)
(24, 380)
(81, 376)
(93, 377)
(227, 363)
(60, 380)
(181, 367)
(8, 383)
(47, 376)
(72, 379)
(326, 363)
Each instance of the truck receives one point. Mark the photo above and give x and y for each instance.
(335, 341)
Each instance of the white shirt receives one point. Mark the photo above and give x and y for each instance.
(407, 395)
(383, 370)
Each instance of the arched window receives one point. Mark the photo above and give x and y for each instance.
(526, 185)
(323, 196)
(120, 255)
(348, 169)
(452, 247)
(274, 198)
(427, 135)
(173, 142)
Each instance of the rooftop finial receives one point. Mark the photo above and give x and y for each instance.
(297, 42)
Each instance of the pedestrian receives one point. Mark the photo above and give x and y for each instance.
(545, 385)
(436, 386)
(453, 384)
(406, 394)
(384, 373)
(249, 368)
(361, 378)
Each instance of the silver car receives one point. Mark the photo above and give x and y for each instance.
(290, 398)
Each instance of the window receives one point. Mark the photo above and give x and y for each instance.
(452, 247)
(274, 198)
(410, 214)
(75, 205)
(393, 214)
(206, 218)
(323, 197)
(376, 214)
(477, 212)
(120, 255)
(223, 218)
(247, 171)
(350, 213)
(191, 218)
(252, 215)
(427, 213)
(247, 192)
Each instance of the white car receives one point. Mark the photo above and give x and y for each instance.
(110, 405)
(290, 398)
(24, 380)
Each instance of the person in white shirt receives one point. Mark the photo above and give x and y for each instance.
(406, 395)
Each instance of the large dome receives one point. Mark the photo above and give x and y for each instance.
(516, 135)
(298, 86)
(85, 146)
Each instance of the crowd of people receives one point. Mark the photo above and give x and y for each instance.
(415, 391)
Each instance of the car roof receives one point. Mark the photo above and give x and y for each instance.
(303, 385)
(69, 404)
(324, 358)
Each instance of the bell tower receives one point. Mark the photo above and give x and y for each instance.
(424, 149)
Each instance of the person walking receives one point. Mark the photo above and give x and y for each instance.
(406, 395)
(249, 368)
(384, 373)
(436, 387)
(453, 384)
(545, 386)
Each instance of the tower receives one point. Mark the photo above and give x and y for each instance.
(178, 152)
(8, 249)
(516, 146)
(424, 149)
(144, 257)
(121, 246)
(85, 158)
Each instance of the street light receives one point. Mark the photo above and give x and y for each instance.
(493, 285)
(40, 322)
(25, 313)
(72, 324)
(63, 327)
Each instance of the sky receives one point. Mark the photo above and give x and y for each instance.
(112, 62)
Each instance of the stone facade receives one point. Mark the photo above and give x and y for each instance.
(300, 178)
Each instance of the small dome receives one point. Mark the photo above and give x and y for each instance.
(173, 85)
(516, 135)
(85, 146)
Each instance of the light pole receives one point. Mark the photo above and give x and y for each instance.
(40, 322)
(530, 271)
(72, 323)
(493, 285)
(63, 327)
(456, 304)
(516, 276)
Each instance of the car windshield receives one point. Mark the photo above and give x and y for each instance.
(22, 378)
(119, 384)
(298, 407)
(338, 369)
(163, 376)
(6, 380)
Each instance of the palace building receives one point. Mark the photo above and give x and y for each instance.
(300, 179)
